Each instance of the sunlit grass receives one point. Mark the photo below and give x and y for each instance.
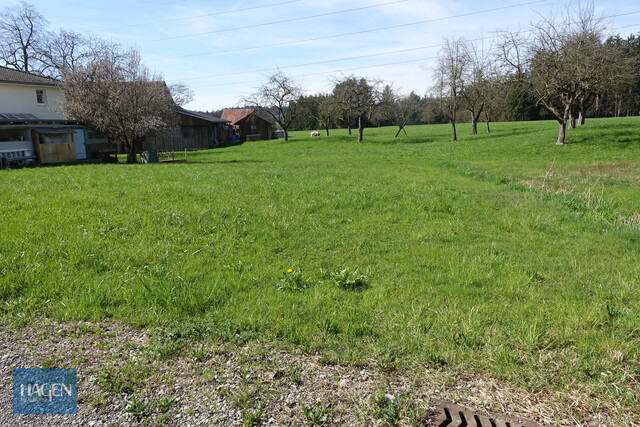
(500, 253)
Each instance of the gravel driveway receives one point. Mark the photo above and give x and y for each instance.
(222, 383)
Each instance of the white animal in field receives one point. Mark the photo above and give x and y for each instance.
(314, 133)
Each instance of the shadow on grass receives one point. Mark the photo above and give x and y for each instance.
(35, 165)
(219, 161)
(620, 137)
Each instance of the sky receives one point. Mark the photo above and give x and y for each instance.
(223, 50)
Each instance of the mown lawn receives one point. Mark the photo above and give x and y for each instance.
(500, 253)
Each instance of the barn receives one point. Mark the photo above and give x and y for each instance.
(197, 131)
(248, 125)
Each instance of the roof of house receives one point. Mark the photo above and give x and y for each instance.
(7, 75)
(200, 116)
(236, 115)
(22, 119)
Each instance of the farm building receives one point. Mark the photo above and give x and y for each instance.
(32, 128)
(197, 131)
(248, 125)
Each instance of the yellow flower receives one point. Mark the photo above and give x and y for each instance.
(290, 270)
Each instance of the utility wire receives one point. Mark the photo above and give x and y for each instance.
(328, 61)
(226, 12)
(342, 71)
(325, 72)
(303, 18)
(225, 52)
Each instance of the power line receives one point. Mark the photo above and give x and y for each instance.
(341, 71)
(370, 55)
(328, 61)
(274, 22)
(355, 32)
(226, 12)
(326, 72)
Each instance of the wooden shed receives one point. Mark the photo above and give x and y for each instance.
(197, 131)
(248, 125)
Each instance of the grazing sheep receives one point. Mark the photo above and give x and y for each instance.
(314, 133)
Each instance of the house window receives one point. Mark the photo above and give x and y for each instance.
(41, 96)
(254, 128)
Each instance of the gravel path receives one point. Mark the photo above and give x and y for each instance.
(215, 383)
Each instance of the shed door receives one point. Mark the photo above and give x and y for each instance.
(81, 149)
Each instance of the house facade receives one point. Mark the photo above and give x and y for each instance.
(32, 127)
(248, 125)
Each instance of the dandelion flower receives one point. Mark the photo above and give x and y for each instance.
(290, 270)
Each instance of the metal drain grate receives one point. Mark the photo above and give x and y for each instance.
(459, 416)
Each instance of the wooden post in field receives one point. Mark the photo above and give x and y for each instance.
(185, 154)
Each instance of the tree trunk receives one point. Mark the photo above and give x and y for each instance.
(400, 128)
(572, 120)
(562, 132)
(349, 128)
(581, 118)
(488, 127)
(474, 124)
(326, 129)
(286, 135)
(360, 129)
(454, 136)
(132, 155)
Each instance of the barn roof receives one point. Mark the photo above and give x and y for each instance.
(236, 115)
(201, 116)
(7, 75)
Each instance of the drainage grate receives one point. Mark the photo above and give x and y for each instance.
(459, 416)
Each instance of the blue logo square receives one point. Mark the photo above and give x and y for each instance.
(45, 391)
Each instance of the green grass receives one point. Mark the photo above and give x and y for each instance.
(499, 253)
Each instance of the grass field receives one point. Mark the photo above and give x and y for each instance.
(500, 253)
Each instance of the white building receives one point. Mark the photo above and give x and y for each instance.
(31, 124)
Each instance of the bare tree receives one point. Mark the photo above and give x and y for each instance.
(62, 52)
(357, 98)
(400, 110)
(570, 64)
(453, 61)
(277, 99)
(22, 34)
(495, 100)
(325, 113)
(316, 109)
(117, 95)
(512, 53)
(476, 85)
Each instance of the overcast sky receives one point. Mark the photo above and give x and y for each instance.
(223, 49)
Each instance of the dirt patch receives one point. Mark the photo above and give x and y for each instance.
(543, 186)
(620, 170)
(120, 382)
